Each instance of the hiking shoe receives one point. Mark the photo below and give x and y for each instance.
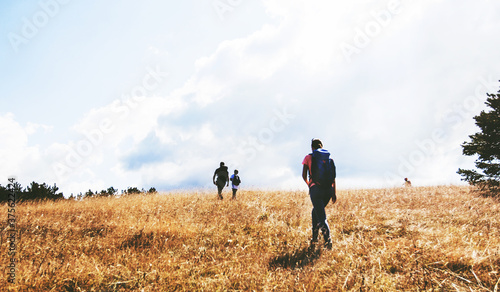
(312, 245)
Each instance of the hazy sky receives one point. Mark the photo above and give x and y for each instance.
(156, 93)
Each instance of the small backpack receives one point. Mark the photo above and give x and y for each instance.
(323, 170)
(222, 174)
(236, 180)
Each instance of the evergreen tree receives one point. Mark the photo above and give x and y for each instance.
(132, 190)
(36, 191)
(89, 194)
(486, 145)
(4, 194)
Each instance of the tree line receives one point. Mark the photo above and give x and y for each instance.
(36, 191)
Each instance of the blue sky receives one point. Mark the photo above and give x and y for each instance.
(157, 93)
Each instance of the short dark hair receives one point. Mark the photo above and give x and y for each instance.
(316, 143)
(222, 164)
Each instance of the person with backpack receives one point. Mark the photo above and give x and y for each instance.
(319, 173)
(222, 178)
(235, 182)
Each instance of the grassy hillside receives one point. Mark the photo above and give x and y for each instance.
(441, 238)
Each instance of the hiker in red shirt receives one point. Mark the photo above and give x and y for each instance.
(319, 173)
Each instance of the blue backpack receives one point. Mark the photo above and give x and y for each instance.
(323, 171)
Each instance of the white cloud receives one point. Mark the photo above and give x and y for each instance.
(256, 101)
(20, 159)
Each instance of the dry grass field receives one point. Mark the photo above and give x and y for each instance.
(404, 239)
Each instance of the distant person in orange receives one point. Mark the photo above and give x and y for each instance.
(321, 183)
(222, 176)
(407, 182)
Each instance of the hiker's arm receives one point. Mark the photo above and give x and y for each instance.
(213, 179)
(305, 168)
(334, 194)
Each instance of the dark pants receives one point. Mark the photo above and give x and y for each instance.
(320, 197)
(220, 186)
(234, 193)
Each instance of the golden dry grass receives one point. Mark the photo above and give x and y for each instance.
(414, 239)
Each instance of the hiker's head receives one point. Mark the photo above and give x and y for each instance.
(235, 171)
(222, 164)
(316, 143)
